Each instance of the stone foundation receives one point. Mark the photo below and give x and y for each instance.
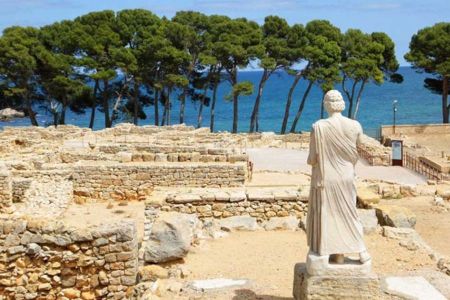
(262, 204)
(5, 190)
(358, 286)
(135, 181)
(47, 260)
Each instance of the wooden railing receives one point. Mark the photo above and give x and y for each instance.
(412, 162)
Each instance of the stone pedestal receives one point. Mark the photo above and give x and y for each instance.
(347, 281)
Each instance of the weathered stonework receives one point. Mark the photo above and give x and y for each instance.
(223, 203)
(41, 258)
(5, 191)
(135, 181)
(308, 287)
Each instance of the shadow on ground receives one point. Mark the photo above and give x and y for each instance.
(246, 294)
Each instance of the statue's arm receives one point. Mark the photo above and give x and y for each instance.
(360, 134)
(312, 157)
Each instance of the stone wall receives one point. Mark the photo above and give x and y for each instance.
(5, 190)
(135, 181)
(48, 260)
(374, 153)
(387, 130)
(220, 203)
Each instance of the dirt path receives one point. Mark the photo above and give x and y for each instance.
(275, 159)
(267, 260)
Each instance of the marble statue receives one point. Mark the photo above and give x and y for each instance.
(333, 226)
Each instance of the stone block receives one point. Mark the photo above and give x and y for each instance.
(411, 287)
(311, 287)
(368, 219)
(367, 197)
(395, 216)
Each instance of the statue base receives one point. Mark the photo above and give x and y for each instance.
(360, 285)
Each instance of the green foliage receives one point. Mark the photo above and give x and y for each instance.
(429, 52)
(104, 58)
(244, 88)
(429, 49)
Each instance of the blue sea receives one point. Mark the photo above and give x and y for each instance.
(415, 105)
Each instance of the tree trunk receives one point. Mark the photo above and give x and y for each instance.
(200, 109)
(297, 78)
(301, 107)
(213, 106)
(164, 115)
(135, 102)
(106, 104)
(235, 113)
(358, 99)
(62, 117)
(169, 91)
(155, 104)
(182, 106)
(350, 100)
(94, 105)
(31, 113)
(322, 108)
(254, 117)
(445, 106)
(234, 81)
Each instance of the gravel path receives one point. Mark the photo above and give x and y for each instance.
(275, 159)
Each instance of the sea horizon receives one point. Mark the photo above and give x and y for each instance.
(416, 105)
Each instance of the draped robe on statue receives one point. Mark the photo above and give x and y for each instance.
(333, 225)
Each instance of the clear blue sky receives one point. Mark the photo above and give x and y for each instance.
(398, 18)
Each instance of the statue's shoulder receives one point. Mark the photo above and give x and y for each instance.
(319, 123)
(352, 123)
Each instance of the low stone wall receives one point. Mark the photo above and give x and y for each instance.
(48, 260)
(5, 190)
(260, 204)
(374, 153)
(387, 130)
(135, 181)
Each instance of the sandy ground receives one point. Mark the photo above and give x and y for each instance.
(91, 214)
(275, 159)
(267, 259)
(433, 223)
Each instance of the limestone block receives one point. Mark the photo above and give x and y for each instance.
(282, 223)
(185, 198)
(411, 287)
(239, 223)
(125, 156)
(368, 219)
(259, 195)
(409, 190)
(285, 195)
(395, 216)
(443, 191)
(367, 197)
(351, 286)
(222, 196)
(170, 238)
(153, 272)
(236, 196)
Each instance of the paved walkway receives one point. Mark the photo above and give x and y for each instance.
(275, 159)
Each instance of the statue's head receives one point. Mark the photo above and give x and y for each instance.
(334, 102)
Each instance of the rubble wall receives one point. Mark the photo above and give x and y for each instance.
(5, 190)
(136, 180)
(48, 260)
